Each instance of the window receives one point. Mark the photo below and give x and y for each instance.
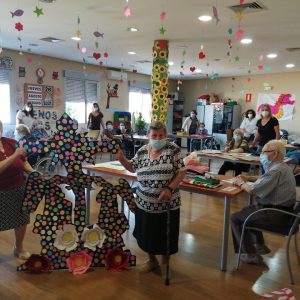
(5, 112)
(140, 100)
(80, 94)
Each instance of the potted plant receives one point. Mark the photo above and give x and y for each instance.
(140, 124)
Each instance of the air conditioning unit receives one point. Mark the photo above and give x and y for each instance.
(115, 75)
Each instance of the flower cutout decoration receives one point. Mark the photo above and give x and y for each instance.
(19, 26)
(38, 263)
(67, 238)
(93, 238)
(78, 263)
(116, 260)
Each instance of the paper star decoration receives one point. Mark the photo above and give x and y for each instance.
(239, 15)
(38, 11)
(162, 30)
(237, 58)
(78, 33)
(19, 26)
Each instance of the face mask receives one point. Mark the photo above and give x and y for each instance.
(122, 127)
(28, 108)
(237, 138)
(264, 160)
(39, 126)
(95, 108)
(250, 116)
(157, 144)
(19, 136)
(201, 128)
(110, 127)
(265, 113)
(192, 116)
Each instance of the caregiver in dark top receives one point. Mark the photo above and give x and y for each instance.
(267, 128)
(94, 121)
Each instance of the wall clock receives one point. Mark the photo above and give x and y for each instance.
(40, 73)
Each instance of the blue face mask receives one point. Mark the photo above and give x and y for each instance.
(264, 160)
(237, 138)
(19, 136)
(39, 126)
(157, 144)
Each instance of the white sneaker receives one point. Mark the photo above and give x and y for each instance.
(21, 254)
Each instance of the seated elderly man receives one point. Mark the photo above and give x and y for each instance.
(276, 188)
(237, 145)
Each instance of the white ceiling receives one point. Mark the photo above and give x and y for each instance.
(272, 30)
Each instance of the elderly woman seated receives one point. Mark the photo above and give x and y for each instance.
(237, 145)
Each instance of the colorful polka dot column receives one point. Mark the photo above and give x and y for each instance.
(159, 78)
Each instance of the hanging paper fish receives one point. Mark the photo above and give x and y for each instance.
(17, 13)
(216, 16)
(98, 34)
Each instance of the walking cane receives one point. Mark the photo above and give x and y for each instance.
(167, 280)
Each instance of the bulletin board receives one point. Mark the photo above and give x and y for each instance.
(39, 95)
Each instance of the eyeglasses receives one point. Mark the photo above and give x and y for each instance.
(267, 151)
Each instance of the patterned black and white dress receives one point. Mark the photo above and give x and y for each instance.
(153, 175)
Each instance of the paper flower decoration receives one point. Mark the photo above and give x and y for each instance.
(83, 50)
(93, 238)
(37, 263)
(239, 34)
(127, 11)
(229, 31)
(19, 26)
(201, 55)
(105, 54)
(116, 260)
(67, 238)
(260, 67)
(78, 263)
(261, 58)
(162, 15)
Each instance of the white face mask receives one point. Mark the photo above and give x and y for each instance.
(193, 115)
(265, 113)
(109, 127)
(122, 127)
(28, 108)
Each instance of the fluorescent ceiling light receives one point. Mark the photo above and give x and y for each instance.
(131, 53)
(205, 18)
(171, 63)
(76, 38)
(272, 55)
(290, 66)
(246, 41)
(198, 71)
(132, 29)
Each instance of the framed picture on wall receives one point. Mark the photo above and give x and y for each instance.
(39, 95)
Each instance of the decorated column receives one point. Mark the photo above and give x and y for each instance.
(159, 79)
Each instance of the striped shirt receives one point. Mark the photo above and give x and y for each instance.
(277, 186)
(153, 175)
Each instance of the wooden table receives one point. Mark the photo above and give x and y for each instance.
(227, 191)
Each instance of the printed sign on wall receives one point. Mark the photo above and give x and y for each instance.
(39, 95)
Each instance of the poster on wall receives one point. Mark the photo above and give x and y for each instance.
(38, 94)
(282, 105)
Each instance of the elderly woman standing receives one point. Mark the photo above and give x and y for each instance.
(12, 185)
(237, 145)
(160, 169)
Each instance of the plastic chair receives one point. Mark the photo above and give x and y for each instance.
(287, 231)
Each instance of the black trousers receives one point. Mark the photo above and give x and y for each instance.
(251, 237)
(237, 167)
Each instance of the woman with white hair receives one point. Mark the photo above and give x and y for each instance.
(13, 164)
(237, 145)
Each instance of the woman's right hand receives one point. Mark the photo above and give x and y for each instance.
(20, 152)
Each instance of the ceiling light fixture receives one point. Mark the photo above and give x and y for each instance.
(205, 18)
(198, 71)
(132, 29)
(171, 63)
(76, 38)
(246, 41)
(272, 55)
(131, 53)
(289, 66)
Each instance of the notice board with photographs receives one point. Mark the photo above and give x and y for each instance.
(39, 95)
